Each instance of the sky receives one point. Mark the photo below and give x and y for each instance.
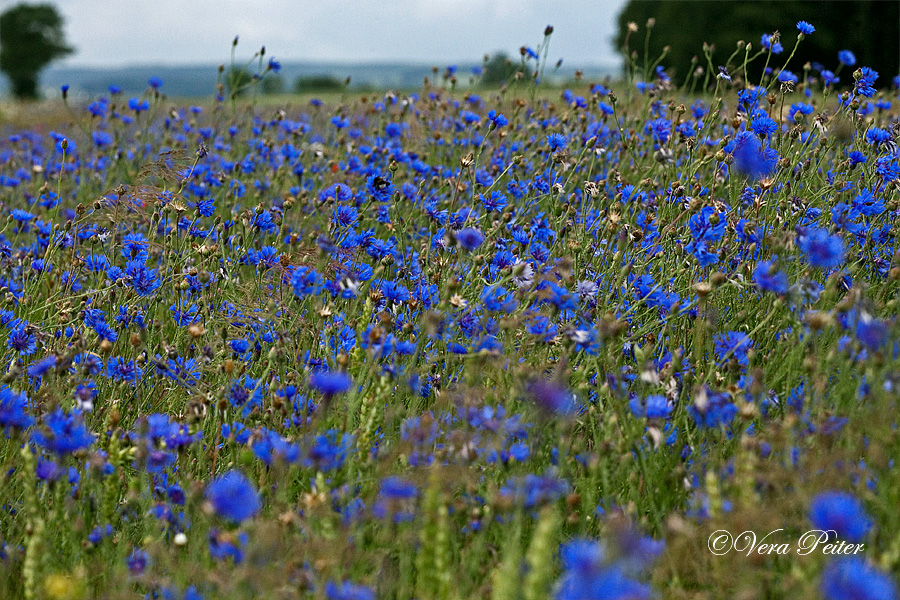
(121, 32)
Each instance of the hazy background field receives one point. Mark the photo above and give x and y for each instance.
(392, 44)
(199, 81)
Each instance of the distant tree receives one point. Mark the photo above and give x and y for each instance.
(272, 84)
(318, 83)
(500, 69)
(31, 37)
(869, 28)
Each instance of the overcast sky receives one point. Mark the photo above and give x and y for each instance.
(122, 32)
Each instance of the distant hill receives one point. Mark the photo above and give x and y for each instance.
(198, 81)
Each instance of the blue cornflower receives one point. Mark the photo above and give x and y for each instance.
(497, 119)
(865, 77)
(94, 318)
(557, 141)
(184, 371)
(22, 339)
(305, 281)
(841, 512)
(469, 238)
(348, 591)
(233, 497)
(84, 396)
(123, 370)
(887, 169)
(396, 498)
(533, 491)
(271, 447)
(22, 216)
(99, 532)
(13, 407)
(552, 398)
(206, 207)
(134, 246)
(700, 251)
(846, 57)
(395, 293)
(786, 76)
(496, 202)
(712, 409)
(764, 126)
(660, 129)
(733, 344)
(766, 42)
(137, 561)
(155, 82)
(496, 298)
(264, 222)
(239, 346)
(47, 470)
(750, 157)
(225, 546)
(345, 216)
(805, 28)
(141, 278)
(88, 363)
(872, 333)
(707, 225)
(469, 117)
(855, 157)
(844, 217)
(328, 451)
(768, 278)
(186, 317)
(40, 367)
(821, 248)
(138, 105)
(380, 188)
(397, 488)
(266, 258)
(102, 139)
(63, 433)
(588, 574)
(330, 382)
(854, 578)
(96, 263)
(877, 136)
(749, 97)
(655, 406)
(340, 122)
(378, 248)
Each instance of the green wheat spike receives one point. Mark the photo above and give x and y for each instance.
(433, 575)
(506, 577)
(540, 555)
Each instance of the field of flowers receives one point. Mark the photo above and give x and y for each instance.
(622, 341)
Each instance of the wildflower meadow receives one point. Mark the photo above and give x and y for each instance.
(613, 340)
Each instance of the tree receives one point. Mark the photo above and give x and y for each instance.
(868, 28)
(31, 37)
(272, 84)
(500, 69)
(318, 83)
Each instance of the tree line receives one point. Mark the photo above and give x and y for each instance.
(870, 29)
